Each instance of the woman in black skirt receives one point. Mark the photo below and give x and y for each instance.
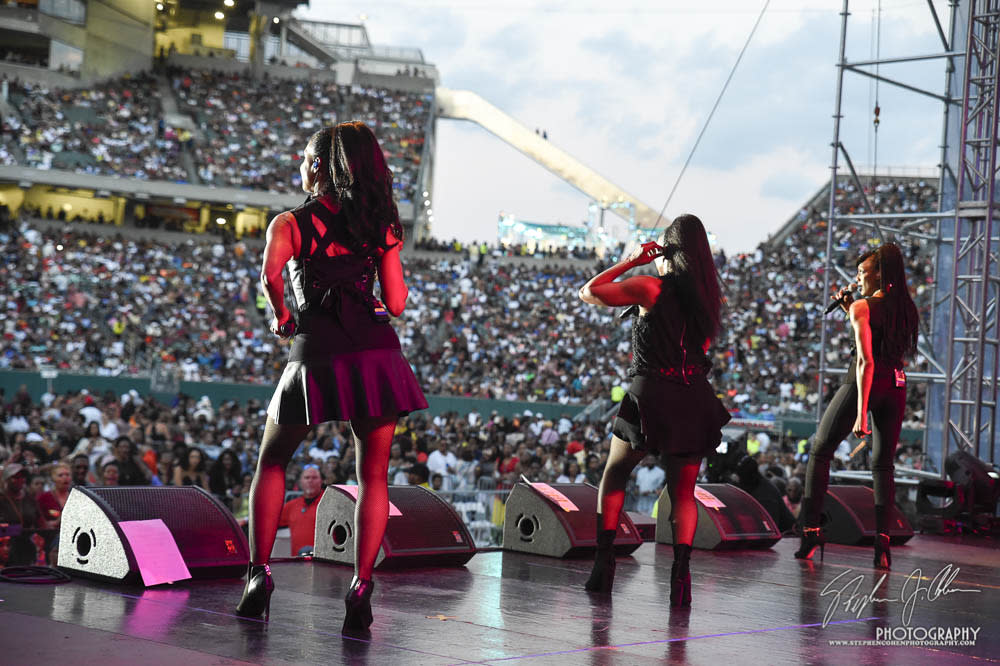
(670, 408)
(345, 362)
(885, 324)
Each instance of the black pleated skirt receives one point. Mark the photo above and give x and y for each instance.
(336, 374)
(669, 418)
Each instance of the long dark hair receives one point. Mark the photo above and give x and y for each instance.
(361, 182)
(691, 274)
(902, 324)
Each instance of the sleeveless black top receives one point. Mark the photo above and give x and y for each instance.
(334, 295)
(877, 321)
(662, 345)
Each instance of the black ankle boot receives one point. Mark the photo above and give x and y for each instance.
(883, 558)
(812, 538)
(602, 576)
(358, 604)
(680, 576)
(812, 534)
(256, 599)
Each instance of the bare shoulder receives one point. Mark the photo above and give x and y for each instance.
(281, 223)
(858, 310)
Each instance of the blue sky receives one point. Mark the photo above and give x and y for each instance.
(626, 86)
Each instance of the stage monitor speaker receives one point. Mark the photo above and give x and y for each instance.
(849, 517)
(423, 530)
(93, 540)
(644, 525)
(728, 519)
(559, 520)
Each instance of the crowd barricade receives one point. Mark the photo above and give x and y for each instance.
(482, 511)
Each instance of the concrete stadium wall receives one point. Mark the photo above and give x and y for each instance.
(40, 76)
(119, 37)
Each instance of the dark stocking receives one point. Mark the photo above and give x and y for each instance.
(372, 510)
(267, 494)
(611, 494)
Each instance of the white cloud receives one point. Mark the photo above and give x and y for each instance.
(626, 86)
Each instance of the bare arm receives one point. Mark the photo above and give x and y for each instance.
(390, 276)
(866, 362)
(279, 248)
(641, 289)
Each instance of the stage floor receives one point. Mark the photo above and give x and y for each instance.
(762, 607)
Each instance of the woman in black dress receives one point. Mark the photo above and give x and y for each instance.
(345, 362)
(670, 408)
(885, 324)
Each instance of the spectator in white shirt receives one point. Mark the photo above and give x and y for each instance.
(442, 461)
(649, 478)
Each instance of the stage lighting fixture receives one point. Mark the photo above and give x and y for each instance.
(219, 16)
(159, 6)
(276, 20)
(220, 221)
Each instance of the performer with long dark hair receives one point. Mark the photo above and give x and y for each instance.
(885, 324)
(670, 408)
(345, 363)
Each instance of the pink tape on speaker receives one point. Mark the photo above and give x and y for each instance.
(709, 500)
(564, 502)
(155, 551)
(353, 492)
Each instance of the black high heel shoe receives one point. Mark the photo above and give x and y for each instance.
(358, 605)
(602, 576)
(256, 599)
(883, 557)
(680, 576)
(812, 538)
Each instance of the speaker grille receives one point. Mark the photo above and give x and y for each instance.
(735, 520)
(859, 500)
(206, 533)
(404, 534)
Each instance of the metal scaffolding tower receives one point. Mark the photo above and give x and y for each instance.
(970, 388)
(960, 343)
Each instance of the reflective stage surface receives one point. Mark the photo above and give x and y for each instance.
(760, 607)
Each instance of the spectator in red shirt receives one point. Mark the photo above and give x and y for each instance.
(299, 514)
(52, 502)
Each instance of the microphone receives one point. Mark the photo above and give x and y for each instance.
(837, 301)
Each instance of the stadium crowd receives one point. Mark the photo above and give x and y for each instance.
(254, 130)
(473, 328)
(250, 133)
(83, 438)
(111, 128)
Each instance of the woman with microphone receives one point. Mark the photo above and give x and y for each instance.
(885, 325)
(670, 409)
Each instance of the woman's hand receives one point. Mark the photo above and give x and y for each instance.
(861, 426)
(644, 254)
(283, 327)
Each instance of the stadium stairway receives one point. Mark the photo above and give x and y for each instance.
(172, 117)
(8, 110)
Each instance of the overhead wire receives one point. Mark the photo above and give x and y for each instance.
(711, 113)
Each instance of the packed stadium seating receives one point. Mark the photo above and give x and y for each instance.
(249, 133)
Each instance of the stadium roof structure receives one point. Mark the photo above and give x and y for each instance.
(467, 105)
